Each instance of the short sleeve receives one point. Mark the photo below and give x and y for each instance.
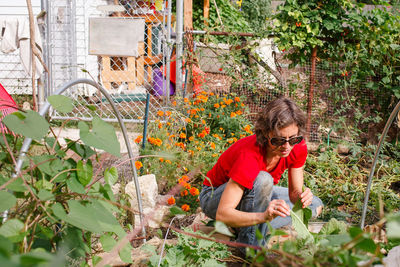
(299, 155)
(245, 170)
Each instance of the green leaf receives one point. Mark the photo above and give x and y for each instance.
(75, 186)
(107, 242)
(45, 195)
(176, 211)
(367, 244)
(12, 229)
(333, 227)
(102, 136)
(6, 246)
(84, 151)
(305, 214)
(16, 186)
(393, 226)
(93, 217)
(7, 200)
(35, 257)
(61, 103)
(126, 253)
(111, 175)
(84, 172)
(221, 228)
(299, 223)
(29, 124)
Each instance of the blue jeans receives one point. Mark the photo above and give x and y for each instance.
(253, 200)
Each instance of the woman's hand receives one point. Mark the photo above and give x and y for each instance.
(306, 197)
(277, 207)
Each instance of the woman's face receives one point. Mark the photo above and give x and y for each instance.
(279, 144)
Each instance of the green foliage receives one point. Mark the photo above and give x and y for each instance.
(191, 251)
(300, 217)
(57, 207)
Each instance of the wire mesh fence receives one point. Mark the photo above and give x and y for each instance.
(263, 75)
(128, 78)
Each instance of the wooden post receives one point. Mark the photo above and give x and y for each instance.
(311, 91)
(206, 11)
(189, 55)
(188, 15)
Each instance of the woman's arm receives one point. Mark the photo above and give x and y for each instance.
(296, 180)
(228, 214)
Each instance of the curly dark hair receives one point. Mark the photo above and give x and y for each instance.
(278, 114)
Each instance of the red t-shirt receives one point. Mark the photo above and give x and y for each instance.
(243, 160)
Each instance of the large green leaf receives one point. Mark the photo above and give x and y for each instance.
(82, 150)
(221, 228)
(93, 217)
(7, 200)
(299, 220)
(84, 172)
(111, 175)
(29, 124)
(334, 227)
(16, 186)
(393, 226)
(102, 136)
(61, 103)
(12, 229)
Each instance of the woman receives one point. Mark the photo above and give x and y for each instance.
(239, 190)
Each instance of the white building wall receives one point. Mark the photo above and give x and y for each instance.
(12, 75)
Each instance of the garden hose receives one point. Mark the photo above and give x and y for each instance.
(384, 133)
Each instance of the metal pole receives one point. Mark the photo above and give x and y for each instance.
(168, 52)
(45, 109)
(146, 120)
(48, 50)
(384, 133)
(179, 45)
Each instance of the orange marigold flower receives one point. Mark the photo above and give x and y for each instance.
(186, 100)
(168, 161)
(160, 113)
(188, 120)
(161, 159)
(201, 109)
(191, 152)
(202, 134)
(182, 135)
(138, 165)
(174, 103)
(187, 186)
(203, 121)
(185, 178)
(191, 138)
(194, 191)
(214, 155)
(184, 193)
(239, 112)
(237, 99)
(171, 201)
(222, 106)
(185, 207)
(233, 114)
(160, 125)
(212, 145)
(138, 139)
(168, 113)
(207, 129)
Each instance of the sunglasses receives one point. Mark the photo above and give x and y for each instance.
(280, 141)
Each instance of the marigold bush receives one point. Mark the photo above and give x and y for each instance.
(186, 141)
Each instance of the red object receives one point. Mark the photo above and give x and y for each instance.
(198, 75)
(243, 160)
(7, 106)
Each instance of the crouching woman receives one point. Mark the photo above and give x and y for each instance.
(240, 190)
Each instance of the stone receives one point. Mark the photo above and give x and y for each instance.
(148, 190)
(343, 149)
(393, 257)
(154, 216)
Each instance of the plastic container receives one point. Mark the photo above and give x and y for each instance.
(158, 82)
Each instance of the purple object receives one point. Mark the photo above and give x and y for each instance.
(159, 89)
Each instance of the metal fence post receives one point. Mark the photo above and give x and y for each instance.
(179, 45)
